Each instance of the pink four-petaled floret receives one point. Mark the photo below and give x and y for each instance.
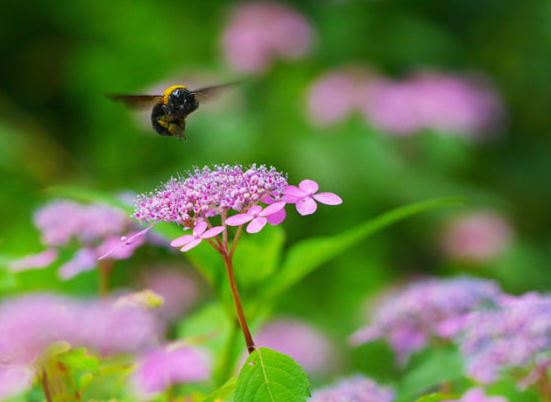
(200, 233)
(305, 196)
(257, 216)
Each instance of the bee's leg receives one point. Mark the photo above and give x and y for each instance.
(161, 119)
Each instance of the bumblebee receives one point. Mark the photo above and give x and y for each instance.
(170, 110)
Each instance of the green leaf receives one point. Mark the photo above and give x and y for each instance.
(269, 376)
(223, 393)
(306, 256)
(439, 367)
(436, 397)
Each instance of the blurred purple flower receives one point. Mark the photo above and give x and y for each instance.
(305, 196)
(179, 291)
(257, 216)
(478, 395)
(170, 365)
(354, 389)
(96, 228)
(478, 237)
(29, 324)
(14, 380)
(310, 347)
(517, 335)
(430, 100)
(409, 318)
(200, 233)
(337, 94)
(34, 261)
(258, 33)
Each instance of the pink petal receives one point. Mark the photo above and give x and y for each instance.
(199, 228)
(182, 240)
(238, 220)
(254, 210)
(328, 198)
(190, 245)
(34, 261)
(212, 232)
(277, 218)
(83, 260)
(294, 191)
(272, 209)
(256, 225)
(306, 206)
(309, 186)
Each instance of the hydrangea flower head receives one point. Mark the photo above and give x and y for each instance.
(170, 365)
(95, 228)
(409, 318)
(337, 94)
(259, 33)
(516, 335)
(309, 346)
(209, 192)
(478, 395)
(30, 324)
(205, 194)
(429, 100)
(477, 237)
(354, 389)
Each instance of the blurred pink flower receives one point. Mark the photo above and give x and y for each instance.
(13, 380)
(179, 291)
(257, 216)
(30, 324)
(337, 94)
(34, 261)
(305, 196)
(429, 100)
(95, 228)
(478, 237)
(258, 33)
(200, 233)
(170, 365)
(354, 389)
(310, 347)
(478, 395)
(409, 318)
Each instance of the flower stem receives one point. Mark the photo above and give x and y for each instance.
(237, 301)
(104, 269)
(46, 387)
(544, 387)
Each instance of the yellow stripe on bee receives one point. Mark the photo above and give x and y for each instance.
(168, 91)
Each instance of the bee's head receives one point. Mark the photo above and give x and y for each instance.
(183, 100)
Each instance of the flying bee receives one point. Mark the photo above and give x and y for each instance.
(170, 110)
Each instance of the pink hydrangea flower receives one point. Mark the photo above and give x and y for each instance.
(30, 324)
(277, 217)
(305, 196)
(309, 346)
(257, 216)
(513, 338)
(170, 365)
(337, 94)
(354, 389)
(478, 237)
(258, 33)
(435, 308)
(34, 261)
(200, 233)
(429, 100)
(478, 395)
(179, 290)
(96, 228)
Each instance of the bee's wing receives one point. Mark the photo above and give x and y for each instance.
(210, 93)
(136, 101)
